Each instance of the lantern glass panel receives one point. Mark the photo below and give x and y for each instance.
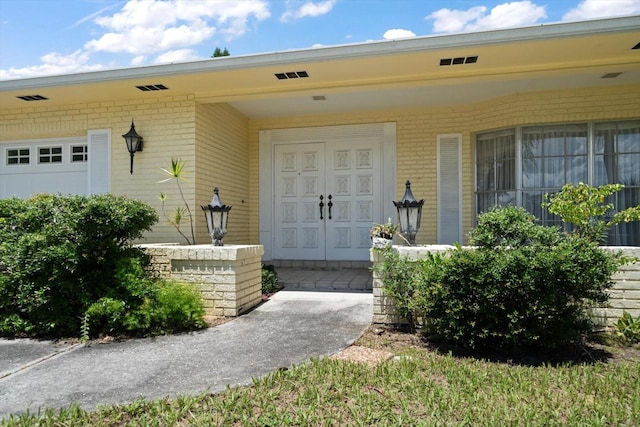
(403, 217)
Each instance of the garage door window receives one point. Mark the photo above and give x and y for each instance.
(79, 153)
(17, 156)
(50, 154)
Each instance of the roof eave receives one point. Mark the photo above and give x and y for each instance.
(377, 48)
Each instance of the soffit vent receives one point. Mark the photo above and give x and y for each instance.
(319, 98)
(32, 97)
(459, 60)
(292, 75)
(147, 88)
(611, 75)
(636, 47)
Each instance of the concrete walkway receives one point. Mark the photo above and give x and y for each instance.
(289, 329)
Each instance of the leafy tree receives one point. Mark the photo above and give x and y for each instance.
(586, 206)
(220, 52)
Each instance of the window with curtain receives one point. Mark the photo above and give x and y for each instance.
(495, 169)
(617, 160)
(553, 155)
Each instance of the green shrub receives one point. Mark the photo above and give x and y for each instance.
(60, 254)
(412, 284)
(270, 281)
(532, 292)
(524, 285)
(176, 307)
(627, 329)
(168, 307)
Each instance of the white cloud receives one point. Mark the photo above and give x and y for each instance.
(511, 14)
(180, 55)
(309, 8)
(450, 21)
(591, 9)
(142, 28)
(397, 33)
(147, 26)
(53, 63)
(138, 61)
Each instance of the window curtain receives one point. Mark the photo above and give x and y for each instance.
(617, 161)
(495, 170)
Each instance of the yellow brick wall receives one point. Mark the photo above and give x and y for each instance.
(167, 125)
(227, 145)
(222, 160)
(417, 131)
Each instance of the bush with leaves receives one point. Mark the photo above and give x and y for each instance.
(139, 306)
(270, 280)
(60, 254)
(586, 206)
(523, 285)
(627, 329)
(412, 284)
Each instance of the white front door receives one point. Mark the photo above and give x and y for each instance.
(322, 188)
(327, 195)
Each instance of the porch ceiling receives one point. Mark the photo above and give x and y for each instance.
(371, 76)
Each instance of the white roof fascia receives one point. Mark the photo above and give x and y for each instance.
(371, 49)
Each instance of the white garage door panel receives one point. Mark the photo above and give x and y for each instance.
(25, 185)
(64, 173)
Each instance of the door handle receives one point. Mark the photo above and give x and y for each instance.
(329, 205)
(321, 204)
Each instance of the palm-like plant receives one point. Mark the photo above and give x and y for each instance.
(177, 173)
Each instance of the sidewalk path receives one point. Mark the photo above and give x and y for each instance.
(287, 330)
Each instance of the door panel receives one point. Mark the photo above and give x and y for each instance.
(299, 182)
(327, 195)
(354, 185)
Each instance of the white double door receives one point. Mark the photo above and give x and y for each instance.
(326, 197)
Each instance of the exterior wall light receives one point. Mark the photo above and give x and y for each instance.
(217, 216)
(133, 141)
(409, 214)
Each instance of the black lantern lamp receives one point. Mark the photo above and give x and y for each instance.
(217, 216)
(134, 142)
(409, 213)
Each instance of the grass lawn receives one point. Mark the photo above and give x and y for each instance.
(416, 386)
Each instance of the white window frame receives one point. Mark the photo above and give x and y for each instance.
(39, 155)
(13, 165)
(84, 153)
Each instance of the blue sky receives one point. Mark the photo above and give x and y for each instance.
(51, 37)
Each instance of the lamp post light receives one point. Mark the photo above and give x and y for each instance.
(217, 216)
(409, 214)
(134, 143)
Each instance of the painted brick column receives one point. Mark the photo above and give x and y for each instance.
(229, 277)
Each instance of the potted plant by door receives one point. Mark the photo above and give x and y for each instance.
(382, 234)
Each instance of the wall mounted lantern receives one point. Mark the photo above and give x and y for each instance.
(133, 141)
(217, 216)
(409, 214)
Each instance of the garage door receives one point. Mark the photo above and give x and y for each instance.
(61, 165)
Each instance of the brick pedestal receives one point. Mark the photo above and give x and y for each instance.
(229, 277)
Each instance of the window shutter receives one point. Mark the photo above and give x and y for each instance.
(99, 167)
(449, 189)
